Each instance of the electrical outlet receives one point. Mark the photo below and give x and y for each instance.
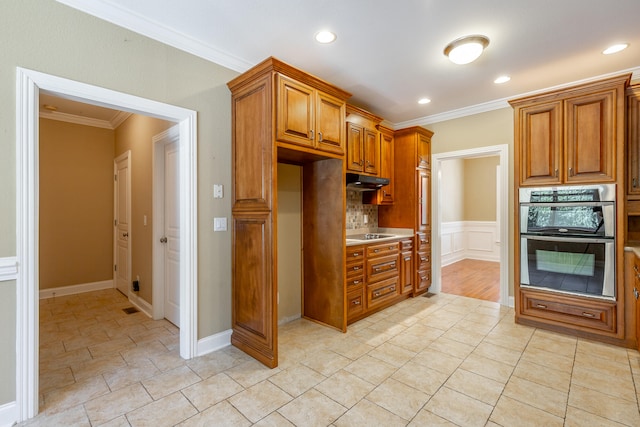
(365, 219)
(218, 191)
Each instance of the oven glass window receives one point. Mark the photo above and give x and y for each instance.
(575, 267)
(587, 219)
(559, 195)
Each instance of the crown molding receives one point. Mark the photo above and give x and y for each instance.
(86, 121)
(137, 23)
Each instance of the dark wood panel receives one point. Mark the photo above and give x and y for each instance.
(323, 242)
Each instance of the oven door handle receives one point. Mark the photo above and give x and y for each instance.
(568, 204)
(571, 239)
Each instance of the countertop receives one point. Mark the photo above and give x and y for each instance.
(632, 246)
(395, 233)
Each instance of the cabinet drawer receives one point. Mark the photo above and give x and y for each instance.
(424, 280)
(407, 244)
(355, 270)
(355, 253)
(587, 314)
(353, 282)
(355, 303)
(382, 267)
(424, 260)
(424, 241)
(381, 292)
(382, 249)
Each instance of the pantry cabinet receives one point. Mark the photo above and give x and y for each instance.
(570, 136)
(633, 142)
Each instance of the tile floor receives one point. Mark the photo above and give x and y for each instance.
(445, 360)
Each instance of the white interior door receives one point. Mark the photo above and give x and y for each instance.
(122, 222)
(171, 236)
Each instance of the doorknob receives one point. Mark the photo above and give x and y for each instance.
(163, 240)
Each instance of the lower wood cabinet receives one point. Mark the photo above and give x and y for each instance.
(423, 263)
(381, 292)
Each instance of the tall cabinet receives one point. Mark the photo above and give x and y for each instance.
(282, 114)
(573, 136)
(411, 206)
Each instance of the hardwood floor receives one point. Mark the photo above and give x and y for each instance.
(472, 278)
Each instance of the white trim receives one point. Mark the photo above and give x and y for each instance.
(124, 156)
(86, 121)
(75, 289)
(214, 342)
(457, 239)
(142, 25)
(8, 414)
(29, 83)
(8, 268)
(140, 304)
(437, 159)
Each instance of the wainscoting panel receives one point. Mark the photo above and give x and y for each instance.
(469, 240)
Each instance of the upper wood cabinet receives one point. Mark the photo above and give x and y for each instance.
(633, 142)
(570, 136)
(385, 195)
(309, 117)
(363, 143)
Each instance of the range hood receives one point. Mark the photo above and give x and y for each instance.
(365, 182)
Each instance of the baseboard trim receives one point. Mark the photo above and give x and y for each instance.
(141, 304)
(8, 414)
(75, 289)
(214, 342)
(289, 319)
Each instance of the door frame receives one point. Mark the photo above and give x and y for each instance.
(502, 213)
(157, 251)
(126, 155)
(29, 83)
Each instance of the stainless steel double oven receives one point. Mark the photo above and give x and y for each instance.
(567, 239)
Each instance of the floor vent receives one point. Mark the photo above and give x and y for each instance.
(428, 295)
(130, 310)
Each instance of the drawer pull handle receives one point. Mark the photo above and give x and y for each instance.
(319, 136)
(377, 269)
(376, 294)
(424, 241)
(407, 258)
(391, 248)
(393, 288)
(356, 302)
(376, 250)
(356, 268)
(541, 306)
(311, 134)
(636, 293)
(356, 254)
(585, 314)
(635, 268)
(356, 282)
(423, 277)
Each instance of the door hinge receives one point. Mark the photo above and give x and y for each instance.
(115, 267)
(115, 177)
(115, 222)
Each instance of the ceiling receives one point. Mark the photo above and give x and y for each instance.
(389, 54)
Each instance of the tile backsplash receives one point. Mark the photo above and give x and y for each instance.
(356, 211)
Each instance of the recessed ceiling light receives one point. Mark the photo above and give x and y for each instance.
(615, 48)
(502, 79)
(325, 36)
(424, 101)
(466, 49)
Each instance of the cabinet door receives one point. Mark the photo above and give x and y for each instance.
(424, 152)
(371, 152)
(540, 141)
(355, 147)
(294, 112)
(329, 126)
(386, 168)
(590, 123)
(406, 272)
(633, 141)
(424, 198)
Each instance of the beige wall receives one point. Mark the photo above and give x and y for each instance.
(480, 130)
(480, 188)
(135, 134)
(76, 204)
(50, 37)
(452, 190)
(289, 241)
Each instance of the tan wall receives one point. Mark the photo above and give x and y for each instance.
(76, 204)
(480, 188)
(289, 240)
(480, 130)
(452, 190)
(47, 36)
(135, 134)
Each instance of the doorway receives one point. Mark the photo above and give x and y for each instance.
(30, 84)
(501, 212)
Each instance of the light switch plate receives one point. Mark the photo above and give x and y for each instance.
(218, 191)
(220, 224)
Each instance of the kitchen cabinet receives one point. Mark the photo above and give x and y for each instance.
(363, 143)
(308, 117)
(355, 281)
(384, 196)
(633, 142)
(570, 136)
(280, 113)
(636, 298)
(407, 270)
(412, 195)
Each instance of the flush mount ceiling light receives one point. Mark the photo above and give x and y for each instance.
(615, 48)
(466, 49)
(424, 101)
(502, 79)
(325, 37)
